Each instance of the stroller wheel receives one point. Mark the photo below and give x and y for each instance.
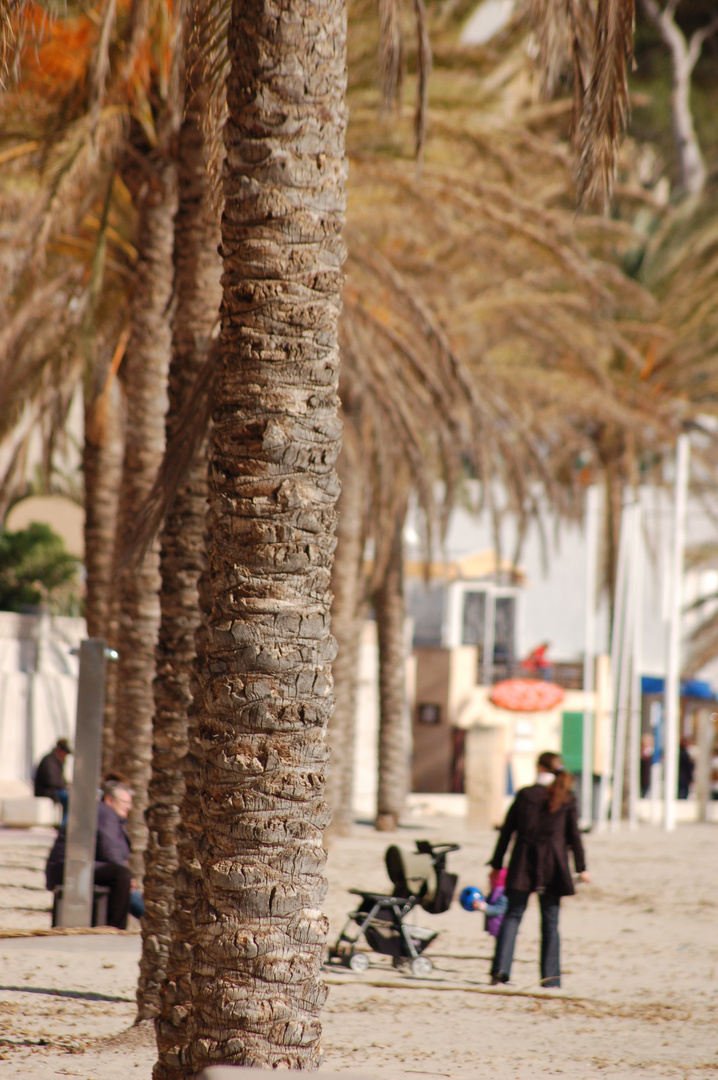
(359, 961)
(421, 967)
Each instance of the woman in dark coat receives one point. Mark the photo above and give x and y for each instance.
(543, 817)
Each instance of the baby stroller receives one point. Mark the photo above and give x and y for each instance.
(418, 877)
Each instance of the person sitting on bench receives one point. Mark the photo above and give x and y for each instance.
(112, 853)
(50, 782)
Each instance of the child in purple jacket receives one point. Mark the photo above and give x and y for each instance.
(494, 907)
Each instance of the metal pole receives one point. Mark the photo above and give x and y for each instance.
(673, 662)
(634, 737)
(589, 653)
(78, 882)
(618, 610)
(623, 681)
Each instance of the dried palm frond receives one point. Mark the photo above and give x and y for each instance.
(391, 53)
(423, 53)
(606, 104)
(564, 33)
(100, 65)
(207, 70)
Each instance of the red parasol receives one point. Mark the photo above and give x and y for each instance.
(527, 695)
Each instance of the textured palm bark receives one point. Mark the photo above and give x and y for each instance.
(172, 1023)
(102, 465)
(146, 365)
(266, 683)
(347, 618)
(394, 741)
(102, 470)
(198, 293)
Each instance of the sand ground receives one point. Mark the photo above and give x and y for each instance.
(639, 955)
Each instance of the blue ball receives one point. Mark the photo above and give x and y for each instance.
(468, 895)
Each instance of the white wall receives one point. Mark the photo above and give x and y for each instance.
(38, 689)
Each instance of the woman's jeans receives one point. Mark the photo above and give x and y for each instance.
(550, 957)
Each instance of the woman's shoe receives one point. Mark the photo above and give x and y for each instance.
(501, 977)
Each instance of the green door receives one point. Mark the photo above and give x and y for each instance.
(572, 741)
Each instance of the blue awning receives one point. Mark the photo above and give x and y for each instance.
(691, 688)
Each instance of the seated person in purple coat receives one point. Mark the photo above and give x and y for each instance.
(112, 855)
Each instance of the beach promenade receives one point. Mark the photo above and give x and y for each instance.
(639, 955)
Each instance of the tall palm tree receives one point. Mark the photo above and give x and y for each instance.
(348, 611)
(394, 773)
(198, 294)
(265, 679)
(145, 368)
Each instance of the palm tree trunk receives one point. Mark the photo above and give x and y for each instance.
(266, 684)
(197, 273)
(172, 1026)
(347, 618)
(102, 468)
(102, 465)
(145, 374)
(394, 731)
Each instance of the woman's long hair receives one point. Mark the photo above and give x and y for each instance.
(560, 791)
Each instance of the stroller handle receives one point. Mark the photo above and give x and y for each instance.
(425, 847)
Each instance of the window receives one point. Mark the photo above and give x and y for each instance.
(474, 620)
(429, 714)
(504, 626)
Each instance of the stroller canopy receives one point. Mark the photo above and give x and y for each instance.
(422, 874)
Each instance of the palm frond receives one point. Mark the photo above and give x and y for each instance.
(391, 53)
(207, 70)
(606, 103)
(423, 63)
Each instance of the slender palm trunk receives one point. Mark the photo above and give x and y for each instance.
(266, 684)
(102, 465)
(172, 1025)
(146, 366)
(102, 468)
(197, 272)
(394, 731)
(347, 618)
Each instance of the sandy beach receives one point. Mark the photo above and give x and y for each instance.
(639, 957)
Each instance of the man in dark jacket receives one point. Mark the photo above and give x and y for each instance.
(50, 782)
(112, 853)
(543, 818)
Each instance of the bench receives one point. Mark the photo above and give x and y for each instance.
(99, 905)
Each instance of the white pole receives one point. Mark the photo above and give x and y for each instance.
(618, 610)
(673, 663)
(623, 682)
(634, 736)
(589, 652)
